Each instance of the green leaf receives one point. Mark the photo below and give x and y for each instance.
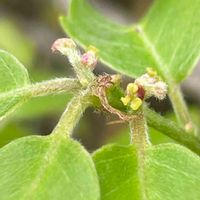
(13, 76)
(166, 172)
(47, 168)
(167, 39)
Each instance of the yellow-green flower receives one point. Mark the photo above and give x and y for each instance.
(126, 100)
(136, 103)
(131, 89)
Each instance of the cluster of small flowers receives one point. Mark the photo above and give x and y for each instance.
(67, 47)
(145, 86)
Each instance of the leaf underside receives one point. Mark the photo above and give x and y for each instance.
(13, 75)
(44, 168)
(167, 38)
(167, 172)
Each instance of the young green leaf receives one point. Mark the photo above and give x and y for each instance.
(47, 168)
(13, 76)
(167, 39)
(166, 171)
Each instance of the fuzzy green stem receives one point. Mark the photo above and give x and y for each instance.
(54, 86)
(45, 88)
(72, 114)
(180, 109)
(140, 141)
(172, 130)
(138, 128)
(84, 74)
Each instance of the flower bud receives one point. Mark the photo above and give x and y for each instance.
(89, 59)
(152, 86)
(145, 80)
(62, 45)
(160, 90)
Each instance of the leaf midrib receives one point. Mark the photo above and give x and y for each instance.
(151, 48)
(140, 155)
(46, 161)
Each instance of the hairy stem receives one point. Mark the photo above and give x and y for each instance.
(54, 86)
(140, 140)
(172, 130)
(180, 109)
(45, 88)
(72, 114)
(138, 128)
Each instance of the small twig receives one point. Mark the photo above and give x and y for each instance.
(172, 130)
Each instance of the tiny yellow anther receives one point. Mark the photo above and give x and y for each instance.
(136, 103)
(131, 89)
(92, 48)
(151, 72)
(125, 100)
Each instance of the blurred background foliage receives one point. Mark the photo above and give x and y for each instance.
(27, 30)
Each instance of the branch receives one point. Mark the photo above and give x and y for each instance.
(45, 88)
(173, 130)
(73, 113)
(54, 86)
